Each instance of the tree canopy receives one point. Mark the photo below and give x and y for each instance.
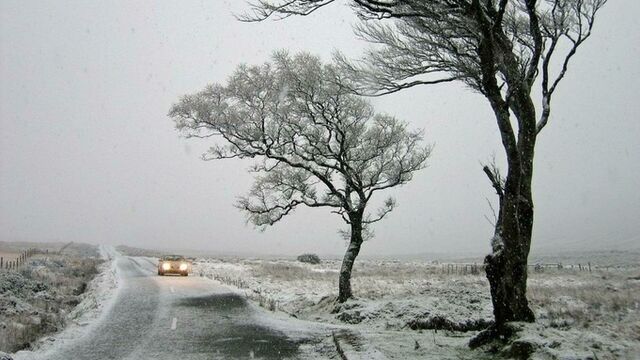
(318, 144)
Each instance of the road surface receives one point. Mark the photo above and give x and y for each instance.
(175, 317)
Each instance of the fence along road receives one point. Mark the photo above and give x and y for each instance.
(16, 260)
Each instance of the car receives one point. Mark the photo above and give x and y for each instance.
(174, 264)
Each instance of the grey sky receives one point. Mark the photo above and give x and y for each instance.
(87, 152)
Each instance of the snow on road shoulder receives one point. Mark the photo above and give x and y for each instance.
(297, 329)
(94, 306)
(314, 339)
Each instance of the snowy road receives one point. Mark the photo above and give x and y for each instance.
(174, 317)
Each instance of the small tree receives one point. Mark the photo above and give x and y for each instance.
(317, 144)
(502, 49)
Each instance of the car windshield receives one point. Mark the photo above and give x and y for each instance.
(173, 258)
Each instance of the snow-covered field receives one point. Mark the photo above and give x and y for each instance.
(414, 309)
(406, 310)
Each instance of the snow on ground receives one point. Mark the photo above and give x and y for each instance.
(41, 296)
(581, 315)
(584, 315)
(390, 296)
(95, 302)
(405, 310)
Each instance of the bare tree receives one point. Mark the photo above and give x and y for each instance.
(502, 49)
(317, 143)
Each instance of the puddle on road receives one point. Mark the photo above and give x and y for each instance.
(220, 302)
(243, 341)
(233, 338)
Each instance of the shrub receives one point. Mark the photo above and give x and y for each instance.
(309, 258)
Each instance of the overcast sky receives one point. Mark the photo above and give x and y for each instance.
(88, 154)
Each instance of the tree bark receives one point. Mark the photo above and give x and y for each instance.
(506, 267)
(344, 282)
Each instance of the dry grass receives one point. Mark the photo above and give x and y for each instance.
(577, 312)
(608, 300)
(413, 270)
(24, 329)
(70, 248)
(289, 271)
(299, 288)
(388, 271)
(36, 298)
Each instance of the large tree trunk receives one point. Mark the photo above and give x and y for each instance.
(344, 282)
(506, 267)
(507, 274)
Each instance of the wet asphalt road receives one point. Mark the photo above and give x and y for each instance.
(174, 317)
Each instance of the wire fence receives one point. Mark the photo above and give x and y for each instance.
(16, 262)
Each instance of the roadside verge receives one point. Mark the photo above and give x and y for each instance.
(94, 305)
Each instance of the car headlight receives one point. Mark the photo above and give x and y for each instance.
(183, 267)
(166, 266)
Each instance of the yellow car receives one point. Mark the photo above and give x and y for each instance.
(174, 264)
